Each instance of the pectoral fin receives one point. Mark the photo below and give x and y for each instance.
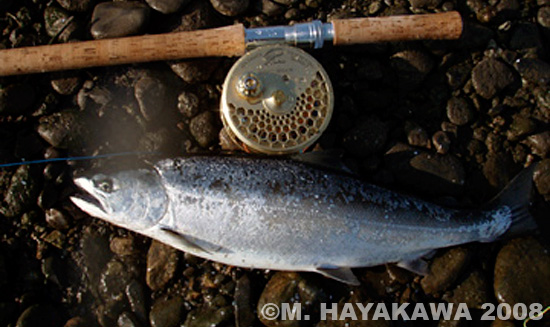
(193, 243)
(418, 266)
(341, 274)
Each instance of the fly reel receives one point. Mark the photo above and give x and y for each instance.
(276, 100)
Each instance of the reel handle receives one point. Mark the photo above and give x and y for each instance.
(224, 41)
(442, 26)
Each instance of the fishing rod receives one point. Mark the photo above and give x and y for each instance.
(227, 41)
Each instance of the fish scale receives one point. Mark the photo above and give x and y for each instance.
(287, 215)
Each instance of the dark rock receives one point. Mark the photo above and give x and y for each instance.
(416, 135)
(411, 67)
(198, 15)
(195, 71)
(188, 104)
(135, 293)
(166, 312)
(292, 14)
(286, 287)
(244, 314)
(16, 99)
(39, 315)
(21, 193)
(66, 84)
(77, 322)
(473, 291)
(56, 219)
(533, 70)
(63, 129)
(457, 75)
(123, 246)
(230, 7)
(445, 270)
(116, 19)
(539, 144)
(542, 178)
(522, 272)
(154, 96)
(491, 76)
(112, 288)
(496, 170)
(526, 36)
(543, 17)
(204, 129)
(76, 5)
(167, 6)
(162, 261)
(269, 8)
(441, 142)
(425, 4)
(459, 111)
(58, 21)
(423, 171)
(286, 2)
(127, 319)
(95, 254)
(212, 315)
(521, 125)
(226, 142)
(367, 138)
(475, 36)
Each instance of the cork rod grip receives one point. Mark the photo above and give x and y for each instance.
(224, 41)
(443, 26)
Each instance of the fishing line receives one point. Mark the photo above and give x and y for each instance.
(99, 156)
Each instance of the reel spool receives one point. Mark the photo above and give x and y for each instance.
(276, 100)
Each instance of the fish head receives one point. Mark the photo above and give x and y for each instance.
(134, 199)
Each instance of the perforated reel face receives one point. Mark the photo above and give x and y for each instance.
(276, 100)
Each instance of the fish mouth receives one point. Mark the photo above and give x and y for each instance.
(86, 201)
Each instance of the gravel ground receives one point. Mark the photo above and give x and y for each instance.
(451, 122)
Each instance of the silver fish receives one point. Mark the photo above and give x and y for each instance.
(287, 215)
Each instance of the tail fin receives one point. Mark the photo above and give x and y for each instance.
(516, 195)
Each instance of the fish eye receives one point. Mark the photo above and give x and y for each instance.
(104, 184)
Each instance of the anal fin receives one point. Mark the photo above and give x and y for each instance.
(341, 274)
(418, 266)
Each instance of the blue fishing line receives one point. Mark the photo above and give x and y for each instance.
(108, 155)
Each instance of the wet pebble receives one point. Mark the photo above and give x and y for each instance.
(162, 261)
(56, 219)
(533, 70)
(211, 315)
(459, 111)
(445, 270)
(197, 15)
(542, 178)
(543, 17)
(188, 104)
(290, 287)
(204, 129)
(441, 142)
(127, 319)
(458, 74)
(195, 71)
(77, 322)
(39, 315)
(526, 36)
(244, 315)
(425, 4)
(473, 291)
(16, 98)
(411, 67)
(427, 172)
(62, 130)
(123, 246)
(95, 254)
(416, 135)
(135, 293)
(117, 19)
(59, 21)
(66, 84)
(366, 138)
(491, 76)
(522, 272)
(495, 170)
(166, 312)
(167, 6)
(230, 7)
(76, 5)
(521, 125)
(269, 8)
(22, 191)
(153, 96)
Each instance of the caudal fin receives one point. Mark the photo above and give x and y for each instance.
(516, 195)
